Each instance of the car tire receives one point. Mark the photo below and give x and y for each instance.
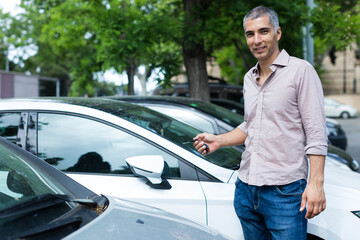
(345, 115)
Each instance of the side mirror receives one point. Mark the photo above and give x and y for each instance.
(150, 167)
(354, 165)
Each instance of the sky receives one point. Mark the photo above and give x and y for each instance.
(11, 6)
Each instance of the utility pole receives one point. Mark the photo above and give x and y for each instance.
(344, 83)
(308, 40)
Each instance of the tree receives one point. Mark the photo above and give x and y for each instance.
(6, 40)
(135, 33)
(336, 26)
(194, 49)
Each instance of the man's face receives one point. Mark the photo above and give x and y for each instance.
(262, 39)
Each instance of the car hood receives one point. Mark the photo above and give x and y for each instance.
(342, 182)
(342, 177)
(129, 220)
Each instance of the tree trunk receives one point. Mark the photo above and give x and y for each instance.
(194, 52)
(143, 79)
(130, 71)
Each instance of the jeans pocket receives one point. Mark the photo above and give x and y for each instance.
(292, 189)
(237, 182)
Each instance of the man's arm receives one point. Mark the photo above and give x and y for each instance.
(314, 194)
(214, 142)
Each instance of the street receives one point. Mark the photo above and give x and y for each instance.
(352, 130)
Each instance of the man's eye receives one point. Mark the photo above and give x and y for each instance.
(249, 34)
(264, 31)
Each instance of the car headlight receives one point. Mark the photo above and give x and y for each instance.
(357, 213)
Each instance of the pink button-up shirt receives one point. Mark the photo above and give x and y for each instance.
(284, 120)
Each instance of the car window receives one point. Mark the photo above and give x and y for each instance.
(77, 144)
(12, 127)
(185, 116)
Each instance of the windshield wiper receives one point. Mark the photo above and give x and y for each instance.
(41, 202)
(67, 225)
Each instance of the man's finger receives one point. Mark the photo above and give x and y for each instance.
(309, 211)
(303, 203)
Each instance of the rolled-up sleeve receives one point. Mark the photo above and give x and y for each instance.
(243, 127)
(311, 106)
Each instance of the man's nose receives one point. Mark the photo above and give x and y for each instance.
(257, 38)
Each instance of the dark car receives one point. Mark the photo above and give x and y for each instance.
(207, 117)
(336, 135)
(218, 89)
(236, 107)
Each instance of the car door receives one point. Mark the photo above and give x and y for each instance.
(93, 153)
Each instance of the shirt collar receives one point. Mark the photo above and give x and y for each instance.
(281, 60)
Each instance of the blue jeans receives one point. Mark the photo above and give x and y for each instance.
(271, 212)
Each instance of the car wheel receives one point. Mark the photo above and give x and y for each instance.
(345, 115)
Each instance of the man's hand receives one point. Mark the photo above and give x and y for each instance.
(214, 142)
(314, 196)
(205, 141)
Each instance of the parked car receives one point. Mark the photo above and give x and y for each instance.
(334, 108)
(218, 90)
(214, 119)
(336, 135)
(236, 107)
(202, 115)
(38, 201)
(132, 152)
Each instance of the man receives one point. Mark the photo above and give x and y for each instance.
(284, 123)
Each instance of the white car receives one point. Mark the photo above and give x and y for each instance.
(334, 108)
(40, 202)
(132, 152)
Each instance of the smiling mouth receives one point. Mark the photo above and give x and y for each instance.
(259, 49)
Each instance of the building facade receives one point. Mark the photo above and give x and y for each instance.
(343, 77)
(19, 85)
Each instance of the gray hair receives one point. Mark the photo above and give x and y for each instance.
(260, 12)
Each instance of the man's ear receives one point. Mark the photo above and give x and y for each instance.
(278, 34)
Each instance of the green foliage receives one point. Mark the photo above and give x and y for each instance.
(334, 25)
(76, 38)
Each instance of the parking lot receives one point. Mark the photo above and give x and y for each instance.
(351, 126)
(352, 130)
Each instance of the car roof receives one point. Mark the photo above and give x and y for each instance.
(115, 111)
(209, 108)
(96, 103)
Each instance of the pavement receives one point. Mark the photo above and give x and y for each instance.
(349, 99)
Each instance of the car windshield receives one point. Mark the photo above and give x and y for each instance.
(179, 133)
(20, 182)
(222, 113)
(23, 187)
(214, 110)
